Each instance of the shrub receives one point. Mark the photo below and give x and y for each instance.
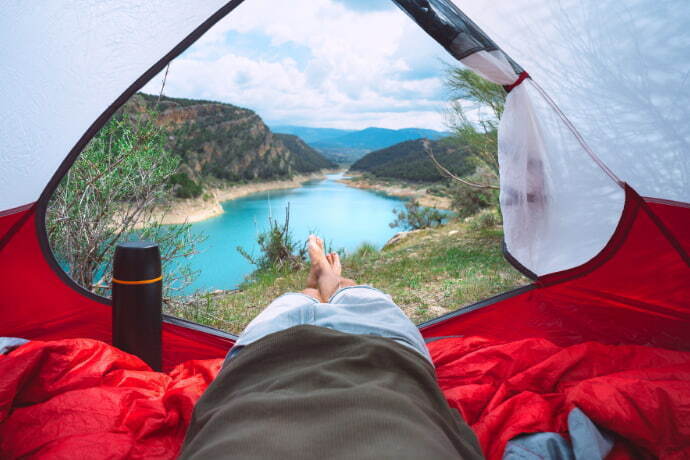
(108, 197)
(483, 220)
(468, 201)
(278, 249)
(414, 217)
(184, 187)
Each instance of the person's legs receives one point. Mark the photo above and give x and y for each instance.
(322, 275)
(360, 309)
(295, 308)
(326, 269)
(311, 292)
(334, 259)
(335, 302)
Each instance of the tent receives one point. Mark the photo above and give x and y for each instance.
(594, 150)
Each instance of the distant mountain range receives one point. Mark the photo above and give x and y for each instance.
(408, 161)
(347, 146)
(310, 135)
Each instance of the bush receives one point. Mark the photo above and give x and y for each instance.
(414, 217)
(184, 187)
(483, 220)
(468, 201)
(279, 251)
(108, 196)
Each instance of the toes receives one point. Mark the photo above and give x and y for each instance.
(312, 243)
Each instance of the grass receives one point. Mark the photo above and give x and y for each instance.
(428, 273)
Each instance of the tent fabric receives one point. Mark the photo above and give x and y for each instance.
(604, 106)
(553, 219)
(547, 210)
(635, 291)
(448, 26)
(80, 398)
(55, 84)
(617, 70)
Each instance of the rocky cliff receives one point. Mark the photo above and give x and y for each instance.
(222, 141)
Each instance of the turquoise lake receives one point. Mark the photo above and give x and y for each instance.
(342, 215)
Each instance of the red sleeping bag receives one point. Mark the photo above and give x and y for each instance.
(81, 398)
(642, 394)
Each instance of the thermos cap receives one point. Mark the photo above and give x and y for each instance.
(137, 261)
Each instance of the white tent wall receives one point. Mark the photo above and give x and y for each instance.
(63, 64)
(619, 70)
(608, 103)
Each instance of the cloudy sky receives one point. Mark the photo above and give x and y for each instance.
(323, 63)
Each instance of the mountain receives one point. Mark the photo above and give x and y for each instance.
(346, 146)
(408, 161)
(221, 141)
(308, 134)
(378, 138)
(307, 159)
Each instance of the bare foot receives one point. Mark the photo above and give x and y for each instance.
(334, 260)
(322, 275)
(325, 274)
(316, 256)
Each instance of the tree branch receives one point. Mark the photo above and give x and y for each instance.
(427, 148)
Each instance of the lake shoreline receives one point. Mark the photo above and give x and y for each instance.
(199, 209)
(419, 193)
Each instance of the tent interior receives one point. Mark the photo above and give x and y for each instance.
(594, 151)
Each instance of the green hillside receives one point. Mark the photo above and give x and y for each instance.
(408, 161)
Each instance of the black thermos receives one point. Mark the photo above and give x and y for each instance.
(137, 298)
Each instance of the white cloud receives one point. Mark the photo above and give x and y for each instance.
(353, 68)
